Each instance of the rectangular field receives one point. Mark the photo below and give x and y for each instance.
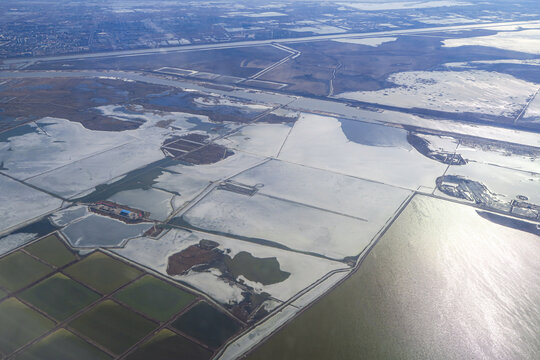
(112, 326)
(62, 345)
(52, 250)
(59, 296)
(18, 270)
(102, 272)
(154, 298)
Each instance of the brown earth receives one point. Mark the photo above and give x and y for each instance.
(242, 62)
(73, 99)
(194, 255)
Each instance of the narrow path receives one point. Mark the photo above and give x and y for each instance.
(336, 68)
(293, 54)
(522, 113)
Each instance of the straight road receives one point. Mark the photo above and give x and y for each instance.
(238, 44)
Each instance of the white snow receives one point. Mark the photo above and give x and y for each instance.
(319, 141)
(255, 15)
(13, 241)
(20, 203)
(68, 215)
(374, 42)
(527, 41)
(266, 14)
(154, 254)
(467, 91)
(189, 181)
(55, 143)
(440, 143)
(401, 5)
(531, 62)
(94, 231)
(372, 201)
(157, 202)
(395, 117)
(260, 139)
(500, 157)
(533, 111)
(319, 29)
(295, 226)
(85, 174)
(214, 286)
(506, 183)
(222, 101)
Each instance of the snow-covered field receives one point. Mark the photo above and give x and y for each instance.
(189, 181)
(65, 158)
(65, 216)
(500, 157)
(374, 42)
(372, 201)
(54, 143)
(319, 29)
(85, 174)
(261, 139)
(14, 241)
(468, 91)
(401, 5)
(440, 143)
(533, 111)
(157, 202)
(489, 154)
(448, 20)
(527, 41)
(298, 227)
(153, 120)
(532, 62)
(506, 183)
(395, 117)
(304, 269)
(100, 231)
(20, 203)
(221, 101)
(320, 142)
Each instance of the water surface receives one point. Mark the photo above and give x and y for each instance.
(442, 283)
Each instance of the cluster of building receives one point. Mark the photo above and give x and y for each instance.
(118, 211)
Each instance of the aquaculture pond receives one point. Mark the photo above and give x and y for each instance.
(155, 298)
(207, 324)
(57, 304)
(102, 272)
(62, 345)
(167, 345)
